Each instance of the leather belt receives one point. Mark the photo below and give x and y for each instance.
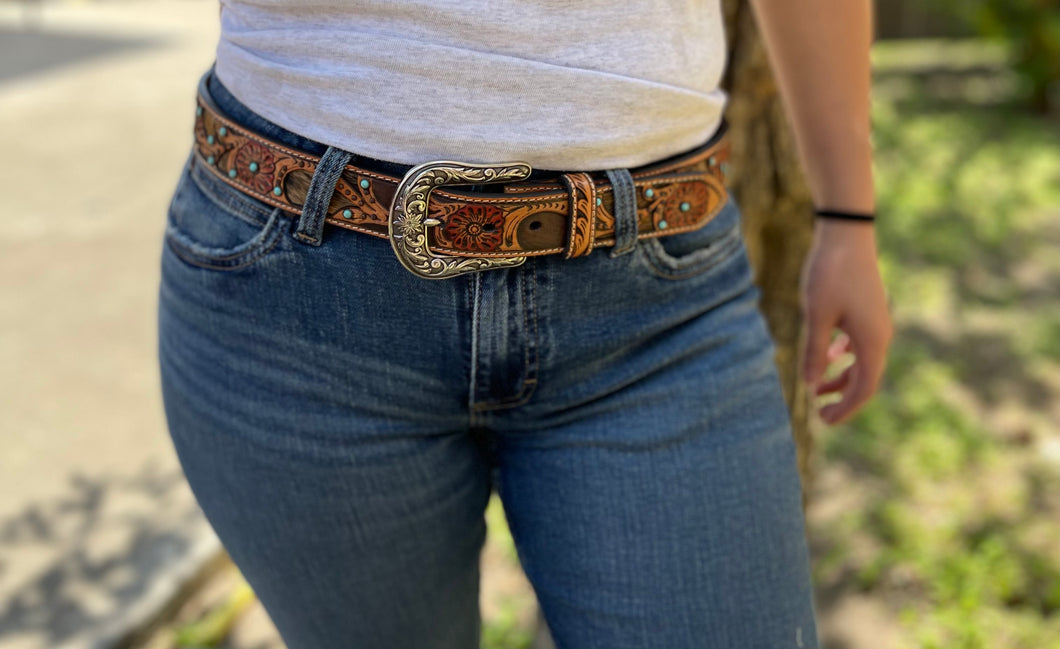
(438, 231)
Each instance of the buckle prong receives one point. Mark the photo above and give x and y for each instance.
(408, 222)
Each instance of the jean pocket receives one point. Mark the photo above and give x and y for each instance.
(694, 252)
(213, 225)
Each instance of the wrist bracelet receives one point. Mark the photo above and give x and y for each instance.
(835, 214)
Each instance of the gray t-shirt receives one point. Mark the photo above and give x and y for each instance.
(559, 84)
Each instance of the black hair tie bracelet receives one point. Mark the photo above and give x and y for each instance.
(855, 216)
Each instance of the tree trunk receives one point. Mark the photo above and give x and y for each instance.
(767, 181)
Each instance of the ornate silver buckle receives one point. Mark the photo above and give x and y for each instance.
(408, 221)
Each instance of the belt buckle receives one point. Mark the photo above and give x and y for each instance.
(408, 222)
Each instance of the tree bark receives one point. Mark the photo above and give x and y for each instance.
(767, 181)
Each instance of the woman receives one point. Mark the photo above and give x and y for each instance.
(423, 251)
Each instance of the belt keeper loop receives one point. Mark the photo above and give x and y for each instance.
(582, 214)
(624, 193)
(318, 196)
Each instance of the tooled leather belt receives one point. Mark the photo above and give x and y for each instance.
(439, 232)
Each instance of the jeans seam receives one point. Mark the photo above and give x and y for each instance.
(722, 247)
(530, 358)
(473, 302)
(189, 256)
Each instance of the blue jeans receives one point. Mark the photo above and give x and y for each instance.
(343, 422)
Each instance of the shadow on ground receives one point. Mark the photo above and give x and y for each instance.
(105, 546)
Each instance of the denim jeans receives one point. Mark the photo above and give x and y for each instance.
(343, 422)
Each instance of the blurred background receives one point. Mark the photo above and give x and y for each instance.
(933, 514)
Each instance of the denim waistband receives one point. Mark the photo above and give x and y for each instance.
(244, 116)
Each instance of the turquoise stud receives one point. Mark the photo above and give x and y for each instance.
(364, 183)
(198, 111)
(253, 167)
(662, 225)
(712, 161)
(209, 139)
(685, 207)
(222, 131)
(210, 160)
(277, 191)
(725, 168)
(231, 173)
(346, 214)
(649, 192)
(599, 201)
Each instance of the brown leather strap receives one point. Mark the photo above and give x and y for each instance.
(583, 214)
(571, 214)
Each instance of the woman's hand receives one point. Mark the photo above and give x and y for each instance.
(841, 288)
(819, 52)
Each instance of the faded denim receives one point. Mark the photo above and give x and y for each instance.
(342, 423)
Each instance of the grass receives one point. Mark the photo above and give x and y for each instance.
(958, 527)
(508, 627)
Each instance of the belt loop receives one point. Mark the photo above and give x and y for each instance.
(625, 201)
(582, 225)
(318, 196)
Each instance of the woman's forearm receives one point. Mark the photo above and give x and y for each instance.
(819, 53)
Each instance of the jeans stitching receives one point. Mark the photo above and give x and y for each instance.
(720, 248)
(318, 196)
(530, 360)
(204, 261)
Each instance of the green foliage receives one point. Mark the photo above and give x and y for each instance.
(497, 525)
(211, 629)
(1031, 28)
(958, 527)
(504, 631)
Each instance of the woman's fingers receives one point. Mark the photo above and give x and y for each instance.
(815, 344)
(860, 380)
(834, 384)
(838, 347)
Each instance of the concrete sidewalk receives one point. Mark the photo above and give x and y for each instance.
(99, 533)
(97, 526)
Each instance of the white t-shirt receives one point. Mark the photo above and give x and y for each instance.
(559, 84)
